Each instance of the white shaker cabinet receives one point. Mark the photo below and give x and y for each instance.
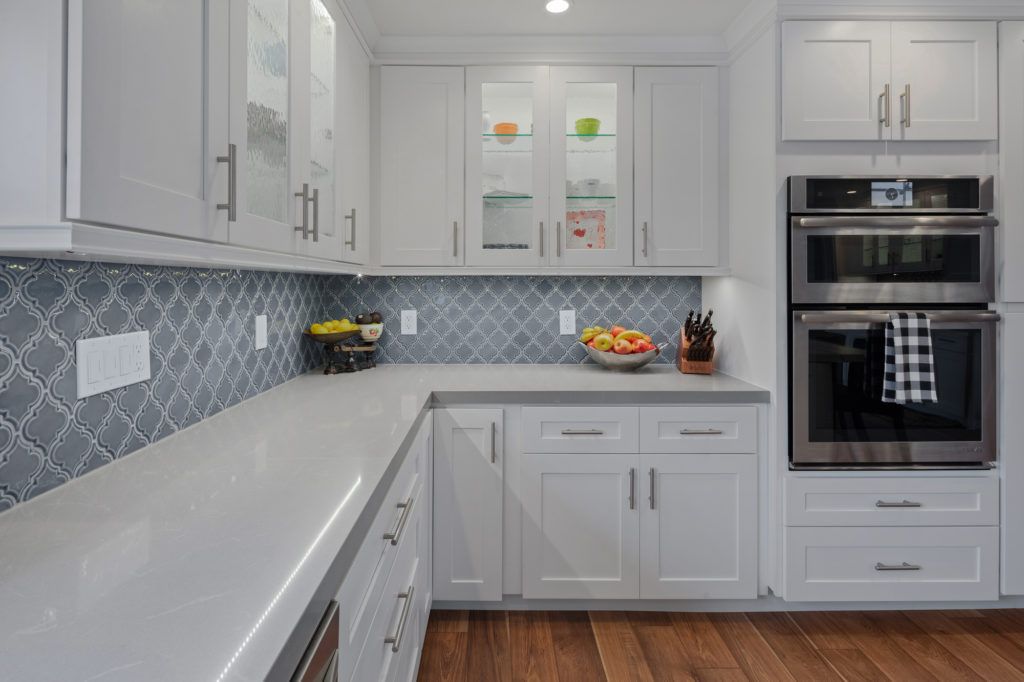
(352, 217)
(1011, 160)
(879, 80)
(468, 494)
(698, 526)
(676, 166)
(1011, 454)
(422, 165)
(581, 526)
(147, 115)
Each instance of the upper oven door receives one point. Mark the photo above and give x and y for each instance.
(838, 418)
(892, 259)
(861, 194)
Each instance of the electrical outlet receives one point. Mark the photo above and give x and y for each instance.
(108, 362)
(261, 332)
(409, 322)
(567, 322)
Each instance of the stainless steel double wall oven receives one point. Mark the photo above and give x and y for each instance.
(861, 248)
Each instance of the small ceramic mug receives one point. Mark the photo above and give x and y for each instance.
(371, 332)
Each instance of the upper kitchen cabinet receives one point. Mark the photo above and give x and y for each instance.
(352, 205)
(507, 166)
(422, 165)
(873, 80)
(146, 115)
(592, 165)
(676, 166)
(1011, 167)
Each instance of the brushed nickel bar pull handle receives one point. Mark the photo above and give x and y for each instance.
(905, 106)
(643, 251)
(558, 238)
(494, 438)
(396, 640)
(632, 488)
(882, 504)
(653, 478)
(316, 214)
(232, 203)
(582, 432)
(540, 243)
(304, 195)
(701, 432)
(396, 535)
(352, 218)
(455, 238)
(886, 97)
(898, 567)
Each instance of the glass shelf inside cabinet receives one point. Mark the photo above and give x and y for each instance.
(507, 166)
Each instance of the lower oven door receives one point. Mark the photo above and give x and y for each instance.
(837, 416)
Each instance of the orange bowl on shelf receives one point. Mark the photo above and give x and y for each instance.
(509, 129)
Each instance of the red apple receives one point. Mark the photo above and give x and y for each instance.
(590, 343)
(623, 347)
(640, 346)
(616, 330)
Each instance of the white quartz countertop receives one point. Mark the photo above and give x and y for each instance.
(195, 558)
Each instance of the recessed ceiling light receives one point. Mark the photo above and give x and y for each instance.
(557, 6)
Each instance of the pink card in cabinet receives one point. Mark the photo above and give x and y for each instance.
(586, 229)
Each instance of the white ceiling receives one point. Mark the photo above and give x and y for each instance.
(528, 17)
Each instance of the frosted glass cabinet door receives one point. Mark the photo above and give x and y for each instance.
(263, 99)
(592, 165)
(147, 115)
(506, 165)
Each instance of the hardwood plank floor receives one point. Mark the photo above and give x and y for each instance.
(619, 646)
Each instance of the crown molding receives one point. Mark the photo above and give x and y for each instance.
(904, 9)
(360, 18)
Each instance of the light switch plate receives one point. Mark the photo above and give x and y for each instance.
(108, 362)
(261, 332)
(567, 322)
(409, 322)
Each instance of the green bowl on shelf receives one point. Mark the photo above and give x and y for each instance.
(588, 127)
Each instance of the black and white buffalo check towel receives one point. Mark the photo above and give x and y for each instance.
(909, 365)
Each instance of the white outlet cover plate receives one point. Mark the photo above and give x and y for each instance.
(104, 363)
(409, 322)
(261, 332)
(567, 322)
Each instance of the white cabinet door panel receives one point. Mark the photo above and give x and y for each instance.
(147, 115)
(1011, 452)
(580, 526)
(945, 80)
(834, 75)
(421, 165)
(468, 489)
(698, 527)
(1011, 158)
(676, 170)
(352, 217)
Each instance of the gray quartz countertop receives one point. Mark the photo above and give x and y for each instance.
(195, 557)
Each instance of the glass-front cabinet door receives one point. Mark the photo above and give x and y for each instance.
(592, 166)
(507, 166)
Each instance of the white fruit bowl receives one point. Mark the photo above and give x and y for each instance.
(621, 363)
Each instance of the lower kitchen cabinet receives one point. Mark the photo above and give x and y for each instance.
(468, 497)
(671, 526)
(698, 527)
(581, 526)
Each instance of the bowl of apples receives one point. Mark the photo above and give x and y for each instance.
(618, 348)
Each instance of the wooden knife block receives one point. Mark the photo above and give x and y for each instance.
(693, 366)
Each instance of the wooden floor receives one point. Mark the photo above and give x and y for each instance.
(478, 646)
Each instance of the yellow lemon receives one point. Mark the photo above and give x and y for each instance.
(317, 329)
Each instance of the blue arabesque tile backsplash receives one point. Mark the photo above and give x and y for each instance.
(202, 356)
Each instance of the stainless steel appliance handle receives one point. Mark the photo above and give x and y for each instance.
(540, 241)
(396, 535)
(558, 238)
(905, 106)
(701, 432)
(882, 504)
(897, 567)
(632, 488)
(582, 432)
(351, 243)
(316, 214)
(332, 668)
(643, 250)
(965, 222)
(494, 438)
(396, 640)
(653, 479)
(869, 317)
(455, 239)
(232, 204)
(304, 195)
(886, 99)
(322, 653)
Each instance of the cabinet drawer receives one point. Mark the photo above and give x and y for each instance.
(698, 429)
(580, 429)
(397, 609)
(868, 501)
(364, 584)
(950, 563)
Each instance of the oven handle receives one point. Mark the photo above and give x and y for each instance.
(896, 222)
(883, 317)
